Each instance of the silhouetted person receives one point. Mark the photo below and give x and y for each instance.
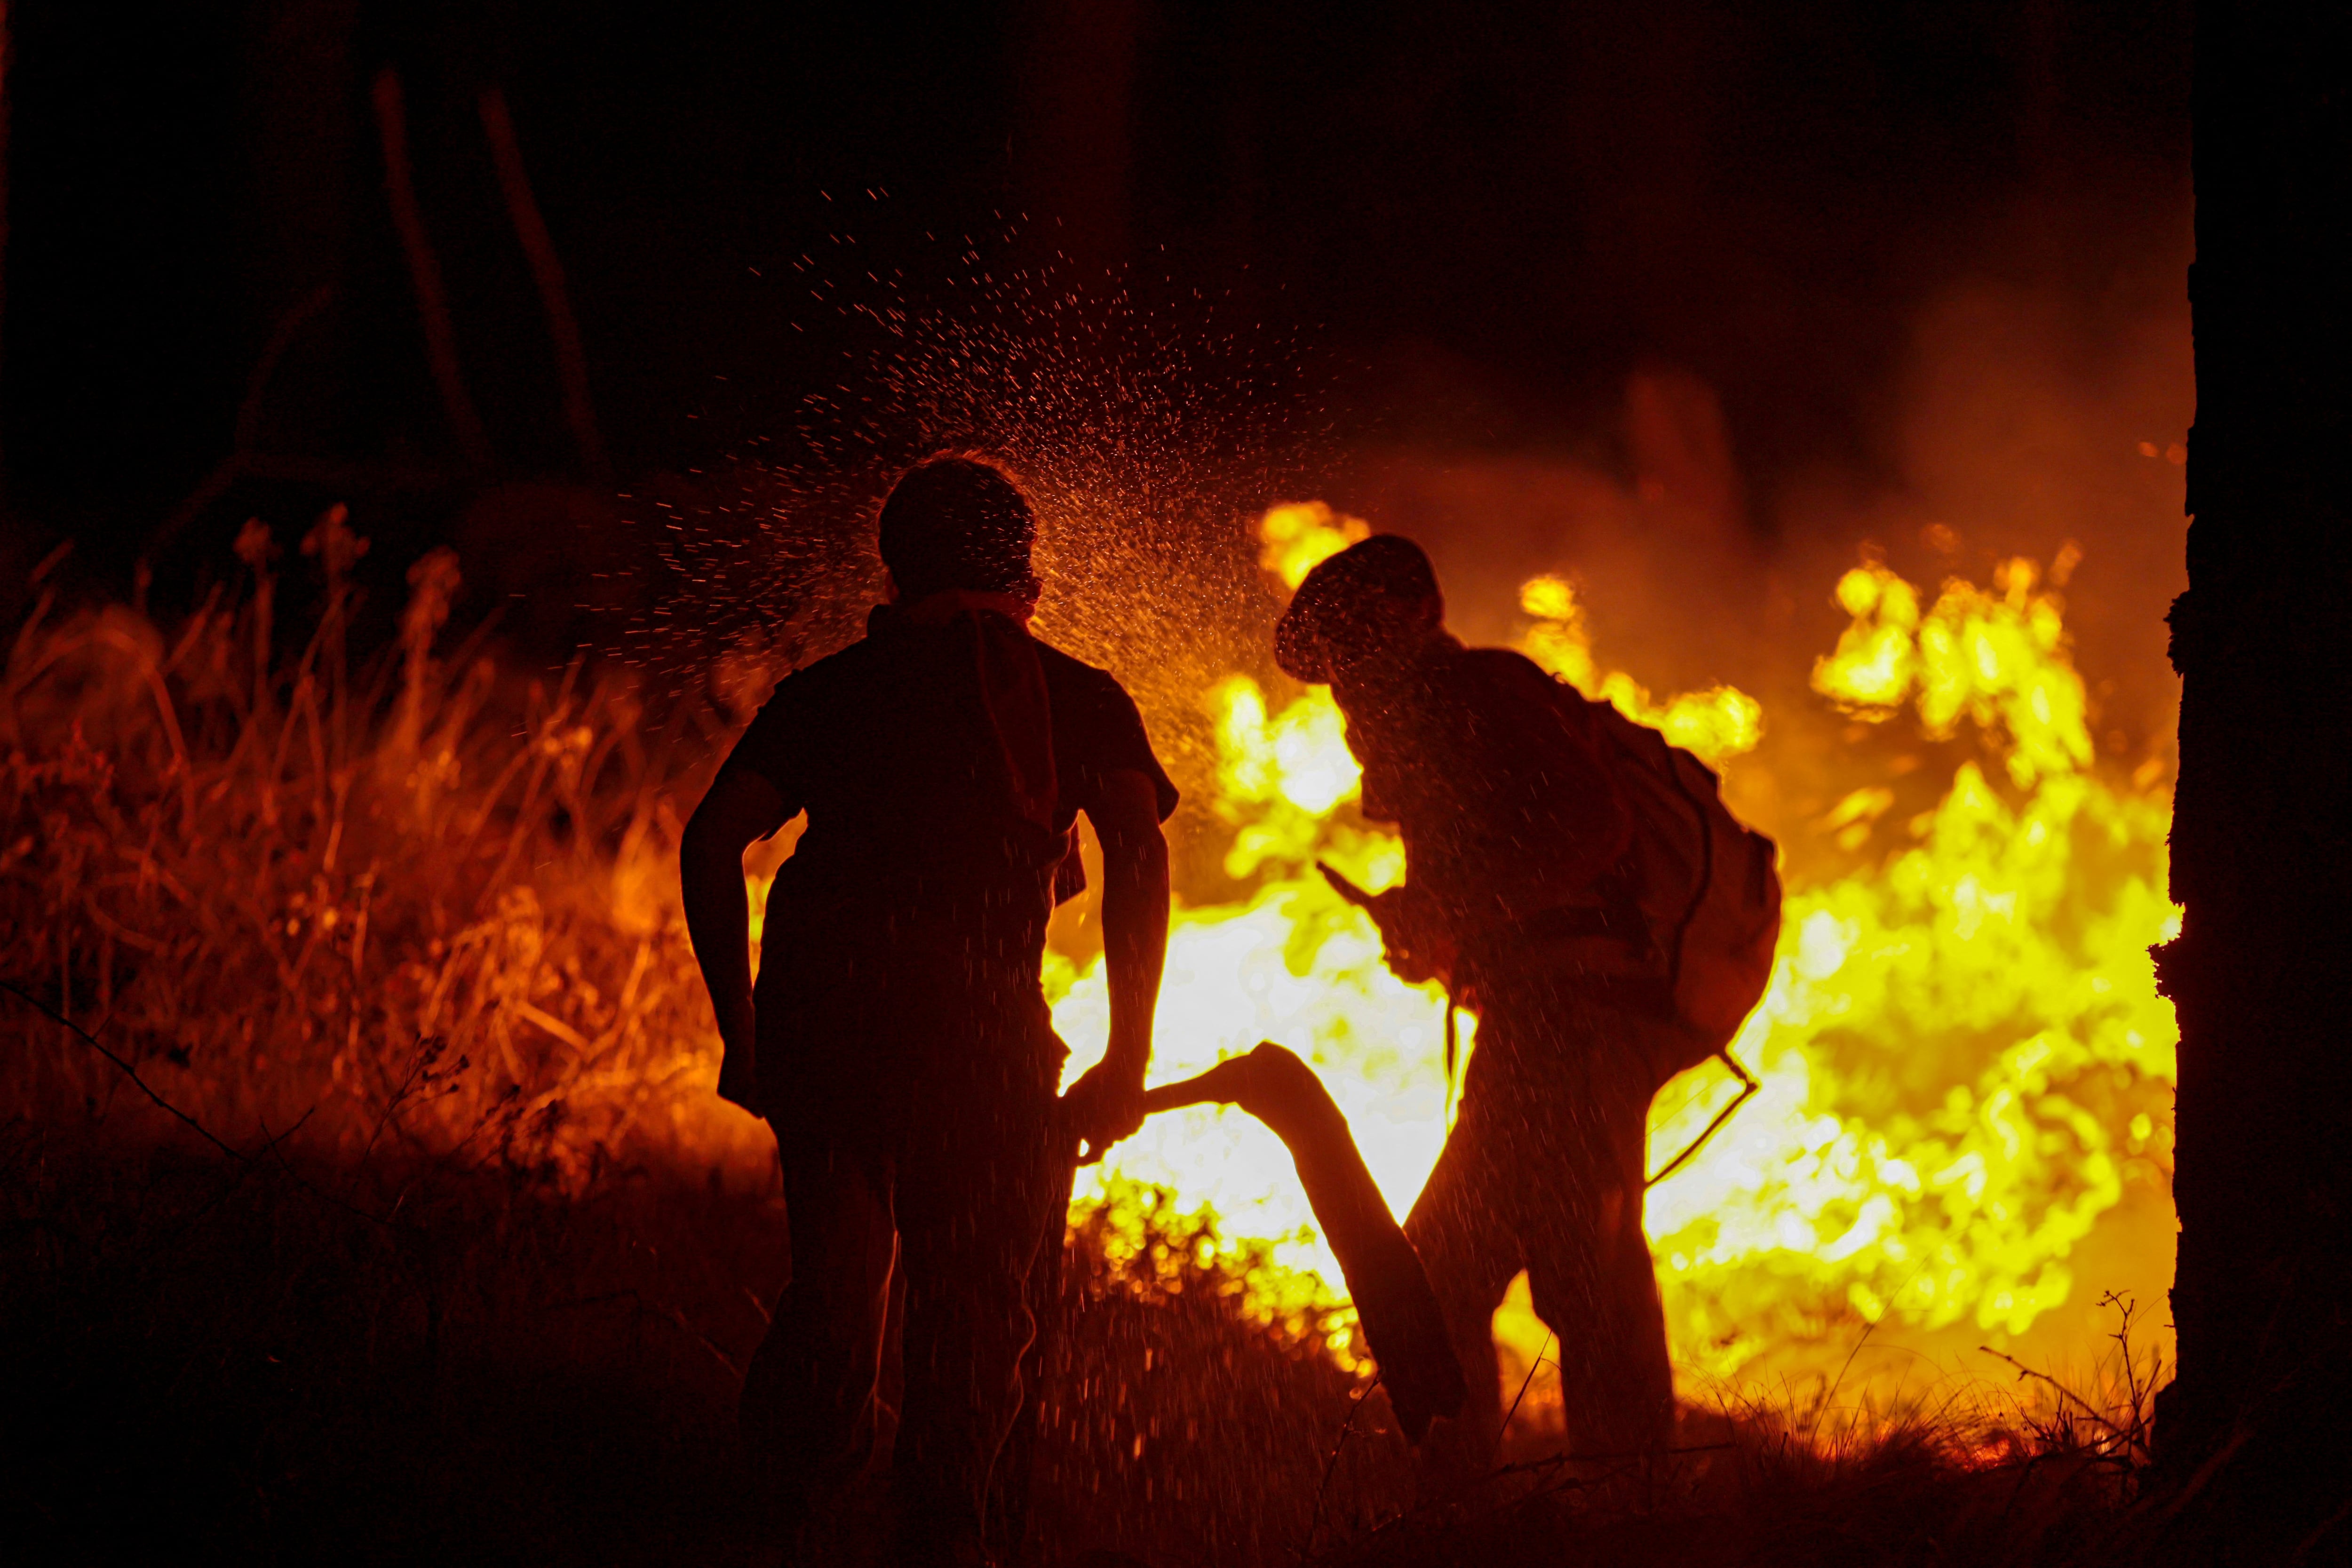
(1514, 828)
(899, 1043)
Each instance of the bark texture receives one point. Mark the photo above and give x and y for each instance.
(2255, 1432)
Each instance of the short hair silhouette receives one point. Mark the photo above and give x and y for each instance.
(958, 522)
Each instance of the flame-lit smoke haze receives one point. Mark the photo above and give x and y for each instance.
(2017, 420)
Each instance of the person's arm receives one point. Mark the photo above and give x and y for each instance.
(1106, 1104)
(740, 807)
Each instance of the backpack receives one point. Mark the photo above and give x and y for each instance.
(1705, 884)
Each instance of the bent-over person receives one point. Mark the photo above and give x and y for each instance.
(1513, 829)
(899, 1041)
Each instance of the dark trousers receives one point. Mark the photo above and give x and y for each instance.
(1543, 1171)
(953, 1202)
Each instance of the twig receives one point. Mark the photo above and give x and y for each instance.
(324, 1196)
(2063, 1391)
(128, 1070)
(1315, 1525)
(1524, 1385)
(2141, 1391)
(187, 1227)
(1748, 1086)
(270, 1140)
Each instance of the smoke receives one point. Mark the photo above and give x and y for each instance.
(2035, 407)
(2027, 415)
(2024, 418)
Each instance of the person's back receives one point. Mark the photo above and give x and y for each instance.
(1501, 797)
(918, 893)
(909, 819)
(898, 1040)
(913, 825)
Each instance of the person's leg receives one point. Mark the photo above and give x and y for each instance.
(1588, 1267)
(1590, 1277)
(1470, 1253)
(807, 1412)
(971, 1225)
(1012, 1480)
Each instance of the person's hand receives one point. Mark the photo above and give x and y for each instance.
(1104, 1106)
(1415, 937)
(738, 1063)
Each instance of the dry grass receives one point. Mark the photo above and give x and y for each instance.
(473, 1270)
(410, 903)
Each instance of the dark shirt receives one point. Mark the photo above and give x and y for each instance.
(1493, 775)
(916, 872)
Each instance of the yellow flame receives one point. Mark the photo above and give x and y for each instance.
(1998, 660)
(1963, 1057)
(1300, 757)
(1719, 722)
(1299, 536)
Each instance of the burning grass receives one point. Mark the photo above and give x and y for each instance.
(475, 1261)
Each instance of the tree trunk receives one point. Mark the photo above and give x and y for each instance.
(2254, 1434)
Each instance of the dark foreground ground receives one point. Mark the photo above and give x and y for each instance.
(266, 1364)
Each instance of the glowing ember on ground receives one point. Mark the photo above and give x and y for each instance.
(1963, 1057)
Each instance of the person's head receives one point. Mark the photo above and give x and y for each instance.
(1370, 609)
(958, 522)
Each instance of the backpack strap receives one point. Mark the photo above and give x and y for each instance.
(1705, 881)
(1749, 1086)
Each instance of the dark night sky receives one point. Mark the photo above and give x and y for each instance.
(1491, 213)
